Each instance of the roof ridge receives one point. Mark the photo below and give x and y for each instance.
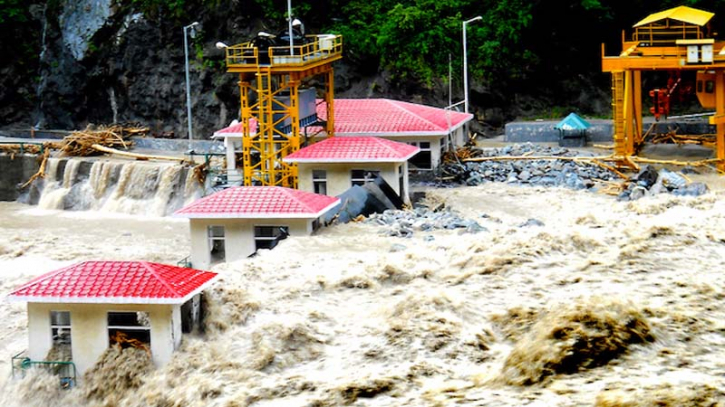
(147, 264)
(396, 102)
(291, 194)
(387, 144)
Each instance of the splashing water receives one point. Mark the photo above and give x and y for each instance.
(342, 319)
(151, 189)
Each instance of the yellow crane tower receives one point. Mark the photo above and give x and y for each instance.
(676, 39)
(270, 77)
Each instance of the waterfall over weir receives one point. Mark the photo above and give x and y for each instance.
(132, 187)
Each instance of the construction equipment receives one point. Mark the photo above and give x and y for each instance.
(271, 74)
(673, 40)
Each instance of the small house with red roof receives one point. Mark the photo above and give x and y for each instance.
(234, 223)
(77, 312)
(431, 129)
(334, 165)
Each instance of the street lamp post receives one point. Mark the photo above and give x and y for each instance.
(188, 86)
(465, 63)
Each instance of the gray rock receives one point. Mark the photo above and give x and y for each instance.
(672, 180)
(637, 193)
(474, 227)
(429, 238)
(532, 222)
(646, 177)
(694, 189)
(397, 248)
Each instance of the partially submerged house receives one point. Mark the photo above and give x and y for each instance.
(234, 223)
(433, 130)
(332, 166)
(81, 310)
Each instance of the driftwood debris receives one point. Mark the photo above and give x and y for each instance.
(41, 170)
(137, 156)
(81, 143)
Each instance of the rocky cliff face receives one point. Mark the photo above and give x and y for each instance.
(103, 61)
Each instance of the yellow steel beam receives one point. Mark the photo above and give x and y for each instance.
(720, 112)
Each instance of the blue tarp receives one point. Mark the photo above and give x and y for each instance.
(572, 123)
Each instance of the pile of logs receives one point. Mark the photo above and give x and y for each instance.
(81, 143)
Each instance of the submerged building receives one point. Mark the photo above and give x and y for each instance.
(77, 312)
(234, 223)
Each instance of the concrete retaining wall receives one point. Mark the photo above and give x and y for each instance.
(600, 131)
(199, 146)
(15, 171)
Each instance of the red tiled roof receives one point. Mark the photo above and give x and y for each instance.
(259, 202)
(371, 117)
(118, 282)
(354, 149)
(237, 129)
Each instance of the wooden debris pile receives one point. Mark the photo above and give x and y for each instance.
(81, 143)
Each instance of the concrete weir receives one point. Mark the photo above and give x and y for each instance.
(100, 184)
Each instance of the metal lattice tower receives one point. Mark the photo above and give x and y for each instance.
(672, 40)
(269, 84)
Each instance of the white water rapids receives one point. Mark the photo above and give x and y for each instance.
(341, 319)
(151, 189)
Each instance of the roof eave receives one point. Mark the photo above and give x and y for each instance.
(279, 215)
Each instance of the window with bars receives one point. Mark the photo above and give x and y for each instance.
(360, 177)
(60, 329)
(267, 237)
(424, 159)
(217, 248)
(319, 181)
(127, 328)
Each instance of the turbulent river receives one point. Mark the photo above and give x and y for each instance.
(607, 304)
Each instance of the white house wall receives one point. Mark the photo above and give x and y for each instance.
(238, 237)
(339, 178)
(89, 330)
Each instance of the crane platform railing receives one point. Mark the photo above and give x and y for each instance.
(318, 48)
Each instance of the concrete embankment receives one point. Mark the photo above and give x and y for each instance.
(600, 131)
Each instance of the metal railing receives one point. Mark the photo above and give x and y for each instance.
(66, 371)
(185, 262)
(319, 47)
(23, 144)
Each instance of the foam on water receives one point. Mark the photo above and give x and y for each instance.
(139, 188)
(340, 318)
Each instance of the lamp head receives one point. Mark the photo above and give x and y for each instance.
(221, 45)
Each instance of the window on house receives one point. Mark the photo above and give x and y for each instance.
(129, 329)
(360, 177)
(60, 334)
(216, 243)
(319, 181)
(267, 237)
(422, 160)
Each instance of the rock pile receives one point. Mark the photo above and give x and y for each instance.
(404, 223)
(649, 182)
(570, 174)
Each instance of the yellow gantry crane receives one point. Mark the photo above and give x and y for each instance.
(677, 39)
(270, 76)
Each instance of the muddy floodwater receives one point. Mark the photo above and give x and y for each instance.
(606, 304)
